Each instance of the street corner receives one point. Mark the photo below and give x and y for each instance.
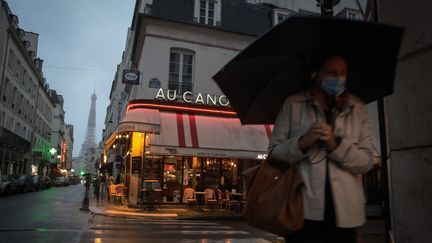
(125, 212)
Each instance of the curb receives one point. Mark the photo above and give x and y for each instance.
(233, 218)
(98, 211)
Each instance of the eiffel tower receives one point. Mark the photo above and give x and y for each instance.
(90, 137)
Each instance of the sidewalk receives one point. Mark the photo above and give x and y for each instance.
(104, 207)
(371, 232)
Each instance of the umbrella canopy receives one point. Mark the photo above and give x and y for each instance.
(276, 65)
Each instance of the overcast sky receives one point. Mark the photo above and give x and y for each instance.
(81, 42)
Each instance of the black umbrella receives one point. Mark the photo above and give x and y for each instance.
(276, 65)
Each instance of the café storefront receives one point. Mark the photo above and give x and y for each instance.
(173, 146)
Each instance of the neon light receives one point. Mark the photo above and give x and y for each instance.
(181, 108)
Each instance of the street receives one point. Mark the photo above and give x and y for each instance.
(54, 215)
(51, 215)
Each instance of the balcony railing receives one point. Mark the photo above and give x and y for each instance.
(179, 87)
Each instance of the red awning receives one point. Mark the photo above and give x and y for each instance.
(209, 136)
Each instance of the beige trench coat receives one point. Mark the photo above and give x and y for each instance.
(352, 158)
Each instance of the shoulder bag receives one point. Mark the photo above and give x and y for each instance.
(274, 199)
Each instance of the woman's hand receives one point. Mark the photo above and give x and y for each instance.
(311, 136)
(318, 131)
(327, 136)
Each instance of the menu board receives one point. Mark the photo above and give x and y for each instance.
(136, 164)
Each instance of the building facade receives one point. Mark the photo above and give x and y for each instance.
(175, 126)
(26, 105)
(67, 148)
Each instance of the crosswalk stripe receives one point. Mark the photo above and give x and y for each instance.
(161, 230)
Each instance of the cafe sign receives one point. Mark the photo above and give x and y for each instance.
(130, 77)
(189, 97)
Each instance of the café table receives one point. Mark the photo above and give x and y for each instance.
(149, 195)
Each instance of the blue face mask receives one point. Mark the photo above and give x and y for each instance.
(333, 85)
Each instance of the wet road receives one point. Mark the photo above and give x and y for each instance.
(184, 231)
(51, 215)
(54, 215)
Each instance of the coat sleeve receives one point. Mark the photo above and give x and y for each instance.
(282, 146)
(356, 158)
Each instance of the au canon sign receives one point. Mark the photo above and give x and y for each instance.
(130, 77)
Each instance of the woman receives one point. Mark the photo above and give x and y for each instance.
(324, 132)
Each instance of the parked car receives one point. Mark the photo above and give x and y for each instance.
(8, 184)
(38, 183)
(25, 183)
(61, 181)
(47, 182)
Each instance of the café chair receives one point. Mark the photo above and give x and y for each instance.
(189, 195)
(210, 197)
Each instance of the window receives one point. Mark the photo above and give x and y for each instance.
(280, 15)
(180, 71)
(11, 60)
(208, 12)
(18, 69)
(352, 15)
(14, 97)
(18, 129)
(9, 123)
(5, 90)
(2, 118)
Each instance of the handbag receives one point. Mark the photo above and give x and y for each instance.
(274, 200)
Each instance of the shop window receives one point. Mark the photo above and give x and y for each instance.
(172, 179)
(152, 168)
(229, 174)
(211, 173)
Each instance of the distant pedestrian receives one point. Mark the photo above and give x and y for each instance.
(96, 186)
(87, 184)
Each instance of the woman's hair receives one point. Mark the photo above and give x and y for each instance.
(315, 65)
(317, 60)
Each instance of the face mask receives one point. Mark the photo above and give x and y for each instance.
(333, 85)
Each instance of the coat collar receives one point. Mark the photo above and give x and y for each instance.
(307, 96)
